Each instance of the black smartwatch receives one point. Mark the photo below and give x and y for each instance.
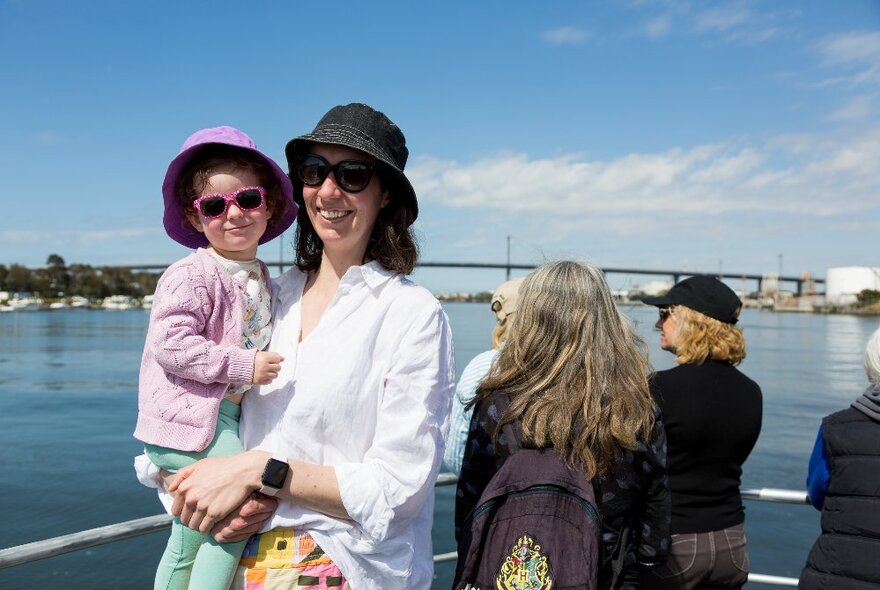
(274, 475)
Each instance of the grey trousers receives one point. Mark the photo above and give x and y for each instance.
(714, 560)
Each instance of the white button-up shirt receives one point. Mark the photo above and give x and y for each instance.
(368, 392)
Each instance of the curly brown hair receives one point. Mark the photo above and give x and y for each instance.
(194, 177)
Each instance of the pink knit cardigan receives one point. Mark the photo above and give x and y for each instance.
(193, 352)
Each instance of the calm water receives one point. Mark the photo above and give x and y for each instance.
(68, 403)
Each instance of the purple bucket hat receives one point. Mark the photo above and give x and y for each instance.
(174, 219)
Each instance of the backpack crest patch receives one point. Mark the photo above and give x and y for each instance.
(526, 568)
(536, 525)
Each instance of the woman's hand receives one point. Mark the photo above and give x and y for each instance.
(208, 490)
(245, 520)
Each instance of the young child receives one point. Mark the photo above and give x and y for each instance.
(209, 324)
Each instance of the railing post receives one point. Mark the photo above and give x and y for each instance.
(508, 258)
(281, 254)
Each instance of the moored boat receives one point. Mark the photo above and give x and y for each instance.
(117, 302)
(24, 304)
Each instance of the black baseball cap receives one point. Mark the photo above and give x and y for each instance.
(704, 294)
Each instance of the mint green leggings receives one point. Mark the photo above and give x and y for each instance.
(193, 561)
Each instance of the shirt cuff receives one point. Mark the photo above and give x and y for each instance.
(363, 496)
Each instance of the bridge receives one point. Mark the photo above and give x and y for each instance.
(675, 275)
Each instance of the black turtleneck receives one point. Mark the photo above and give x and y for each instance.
(712, 414)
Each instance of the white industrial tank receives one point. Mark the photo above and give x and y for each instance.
(843, 283)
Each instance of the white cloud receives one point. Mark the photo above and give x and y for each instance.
(768, 180)
(797, 143)
(24, 236)
(867, 77)
(657, 27)
(733, 22)
(12, 236)
(758, 35)
(721, 19)
(566, 36)
(798, 176)
(855, 161)
(858, 52)
(851, 48)
(728, 168)
(857, 108)
(728, 22)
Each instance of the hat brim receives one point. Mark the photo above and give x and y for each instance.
(661, 301)
(178, 227)
(348, 137)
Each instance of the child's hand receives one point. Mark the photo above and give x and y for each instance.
(266, 367)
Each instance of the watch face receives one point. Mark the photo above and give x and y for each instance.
(275, 473)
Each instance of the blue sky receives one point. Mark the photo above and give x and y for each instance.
(649, 134)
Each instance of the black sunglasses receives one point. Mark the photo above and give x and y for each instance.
(665, 312)
(352, 176)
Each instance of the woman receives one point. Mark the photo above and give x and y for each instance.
(844, 483)
(503, 306)
(349, 437)
(574, 374)
(712, 414)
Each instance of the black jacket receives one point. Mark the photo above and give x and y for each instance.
(846, 556)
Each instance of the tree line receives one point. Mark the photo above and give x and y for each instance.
(57, 279)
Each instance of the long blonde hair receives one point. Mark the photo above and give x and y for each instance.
(573, 369)
(499, 332)
(700, 337)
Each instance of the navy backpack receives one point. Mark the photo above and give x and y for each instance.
(535, 527)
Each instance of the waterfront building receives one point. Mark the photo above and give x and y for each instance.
(844, 283)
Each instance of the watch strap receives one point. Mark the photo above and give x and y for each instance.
(274, 475)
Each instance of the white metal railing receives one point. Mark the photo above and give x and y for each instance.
(773, 580)
(776, 495)
(83, 540)
(55, 546)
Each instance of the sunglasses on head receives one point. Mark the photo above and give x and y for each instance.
(352, 176)
(665, 312)
(246, 199)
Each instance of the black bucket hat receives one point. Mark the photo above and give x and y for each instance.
(361, 127)
(704, 294)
